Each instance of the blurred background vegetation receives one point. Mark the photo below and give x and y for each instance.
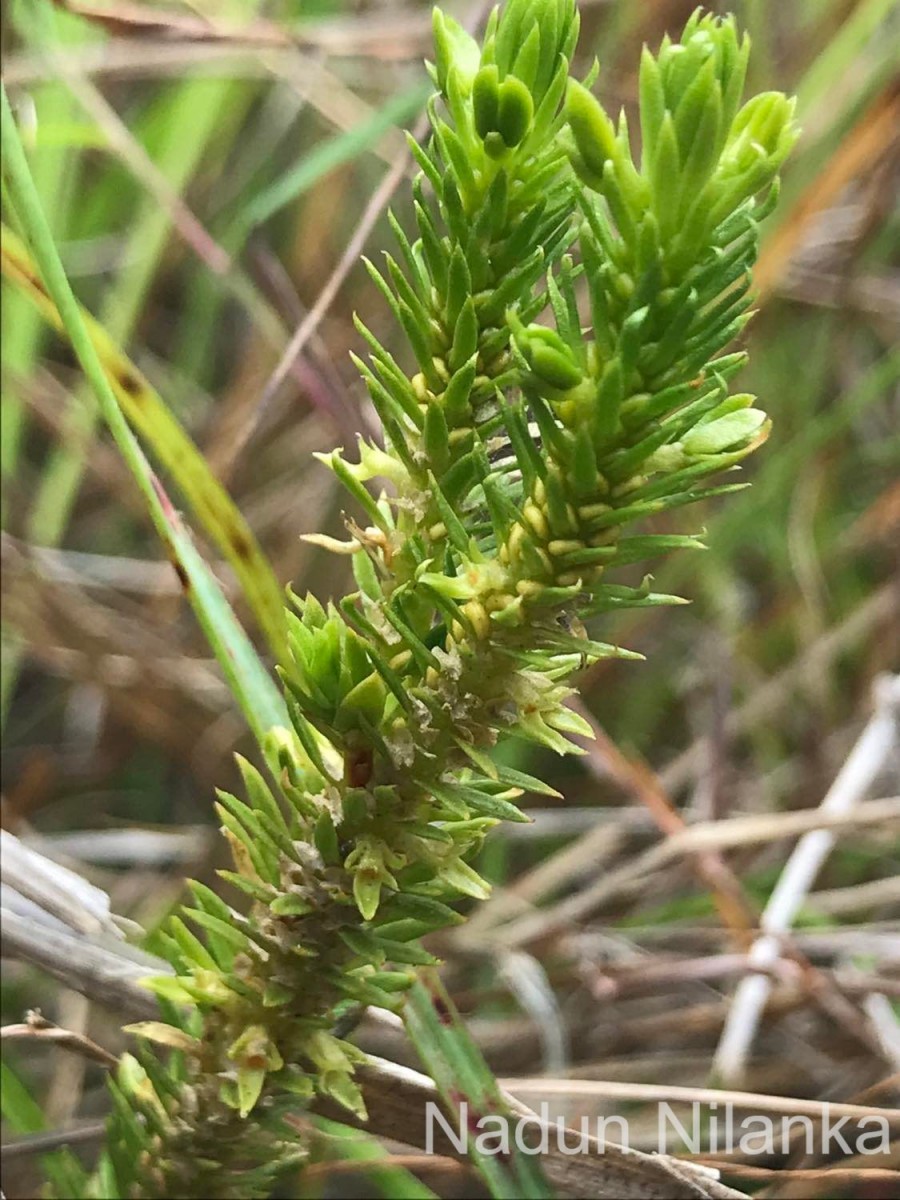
(205, 167)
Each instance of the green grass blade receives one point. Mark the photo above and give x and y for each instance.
(19, 1108)
(331, 154)
(460, 1074)
(149, 416)
(251, 685)
(177, 158)
(56, 177)
(392, 1182)
(837, 57)
(57, 174)
(24, 1115)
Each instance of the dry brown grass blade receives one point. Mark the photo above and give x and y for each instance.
(637, 777)
(40, 1143)
(158, 688)
(874, 135)
(383, 36)
(380, 199)
(39, 1029)
(139, 19)
(602, 844)
(632, 876)
(56, 617)
(830, 1178)
(396, 1098)
(654, 1093)
(139, 162)
(311, 321)
(159, 58)
(152, 419)
(50, 403)
(767, 701)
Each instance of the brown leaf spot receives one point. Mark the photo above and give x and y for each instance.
(182, 575)
(129, 383)
(34, 282)
(241, 543)
(442, 1010)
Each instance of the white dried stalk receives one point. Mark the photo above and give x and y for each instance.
(866, 760)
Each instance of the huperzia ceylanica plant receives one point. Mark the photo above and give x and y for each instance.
(518, 453)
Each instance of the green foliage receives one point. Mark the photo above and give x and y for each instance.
(516, 454)
(462, 1076)
(148, 415)
(247, 678)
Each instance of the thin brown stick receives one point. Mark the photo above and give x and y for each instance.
(141, 165)
(737, 831)
(873, 135)
(752, 1101)
(737, 912)
(310, 323)
(54, 1139)
(834, 1177)
(419, 1164)
(40, 1029)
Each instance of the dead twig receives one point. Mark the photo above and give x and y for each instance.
(655, 1093)
(863, 765)
(310, 323)
(40, 1029)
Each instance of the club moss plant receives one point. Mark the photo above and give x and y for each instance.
(567, 309)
